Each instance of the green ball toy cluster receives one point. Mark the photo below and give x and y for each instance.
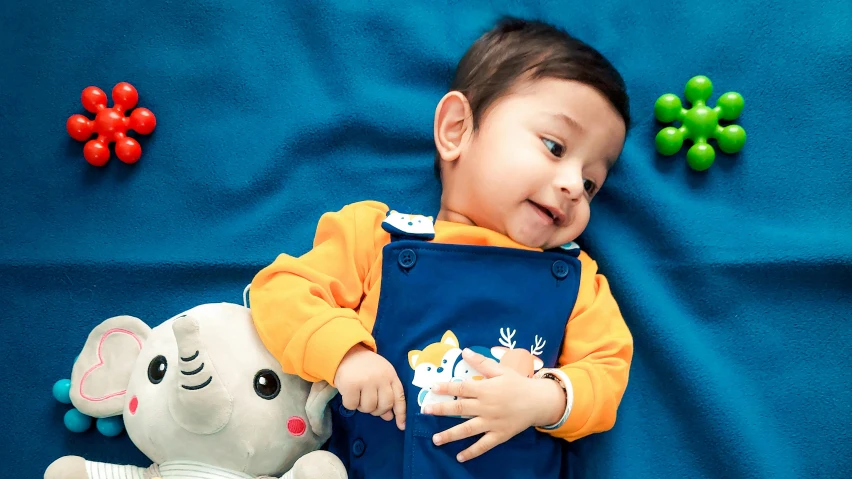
(699, 123)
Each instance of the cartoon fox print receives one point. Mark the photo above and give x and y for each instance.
(434, 364)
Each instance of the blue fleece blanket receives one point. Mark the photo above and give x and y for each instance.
(737, 282)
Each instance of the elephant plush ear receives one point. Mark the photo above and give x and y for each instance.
(317, 408)
(101, 373)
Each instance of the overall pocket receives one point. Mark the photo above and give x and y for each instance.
(529, 454)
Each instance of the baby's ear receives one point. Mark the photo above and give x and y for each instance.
(452, 126)
(102, 372)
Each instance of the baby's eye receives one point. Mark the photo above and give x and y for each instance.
(555, 148)
(590, 187)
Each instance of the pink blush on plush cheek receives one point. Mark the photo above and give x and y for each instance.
(296, 426)
(134, 403)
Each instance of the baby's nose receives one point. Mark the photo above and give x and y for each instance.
(572, 189)
(570, 183)
(440, 369)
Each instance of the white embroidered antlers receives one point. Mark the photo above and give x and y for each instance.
(521, 360)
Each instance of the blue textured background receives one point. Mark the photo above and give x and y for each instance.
(737, 282)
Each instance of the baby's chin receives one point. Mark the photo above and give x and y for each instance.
(548, 243)
(531, 240)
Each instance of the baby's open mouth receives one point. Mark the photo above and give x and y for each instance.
(545, 211)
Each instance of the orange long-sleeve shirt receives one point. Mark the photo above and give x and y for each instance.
(309, 311)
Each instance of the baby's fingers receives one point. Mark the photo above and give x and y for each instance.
(369, 400)
(467, 429)
(351, 398)
(398, 403)
(459, 407)
(385, 406)
(480, 447)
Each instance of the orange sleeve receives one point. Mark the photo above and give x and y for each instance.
(305, 309)
(596, 356)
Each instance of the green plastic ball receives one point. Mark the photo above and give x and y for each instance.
(731, 139)
(698, 88)
(700, 156)
(731, 104)
(700, 122)
(667, 108)
(669, 141)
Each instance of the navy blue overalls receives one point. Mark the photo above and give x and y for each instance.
(435, 300)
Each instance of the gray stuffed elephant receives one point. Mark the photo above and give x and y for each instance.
(201, 397)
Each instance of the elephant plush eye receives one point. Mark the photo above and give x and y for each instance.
(266, 384)
(157, 369)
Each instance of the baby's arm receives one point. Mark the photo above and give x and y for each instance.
(304, 308)
(596, 357)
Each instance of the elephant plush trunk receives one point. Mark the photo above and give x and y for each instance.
(200, 402)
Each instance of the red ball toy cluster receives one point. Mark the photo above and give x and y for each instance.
(111, 124)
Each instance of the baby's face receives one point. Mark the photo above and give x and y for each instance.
(539, 157)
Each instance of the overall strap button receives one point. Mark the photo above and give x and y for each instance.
(407, 258)
(358, 448)
(559, 269)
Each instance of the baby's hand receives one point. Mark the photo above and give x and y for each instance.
(501, 406)
(367, 382)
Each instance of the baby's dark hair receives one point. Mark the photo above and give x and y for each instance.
(517, 49)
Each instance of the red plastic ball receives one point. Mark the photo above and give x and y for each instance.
(96, 152)
(111, 124)
(109, 121)
(125, 96)
(79, 127)
(94, 99)
(128, 150)
(143, 121)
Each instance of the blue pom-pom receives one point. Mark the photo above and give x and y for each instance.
(76, 421)
(110, 426)
(62, 390)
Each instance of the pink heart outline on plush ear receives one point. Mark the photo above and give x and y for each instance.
(100, 363)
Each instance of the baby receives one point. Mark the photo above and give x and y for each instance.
(485, 328)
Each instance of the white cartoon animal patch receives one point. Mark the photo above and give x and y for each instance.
(442, 362)
(412, 226)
